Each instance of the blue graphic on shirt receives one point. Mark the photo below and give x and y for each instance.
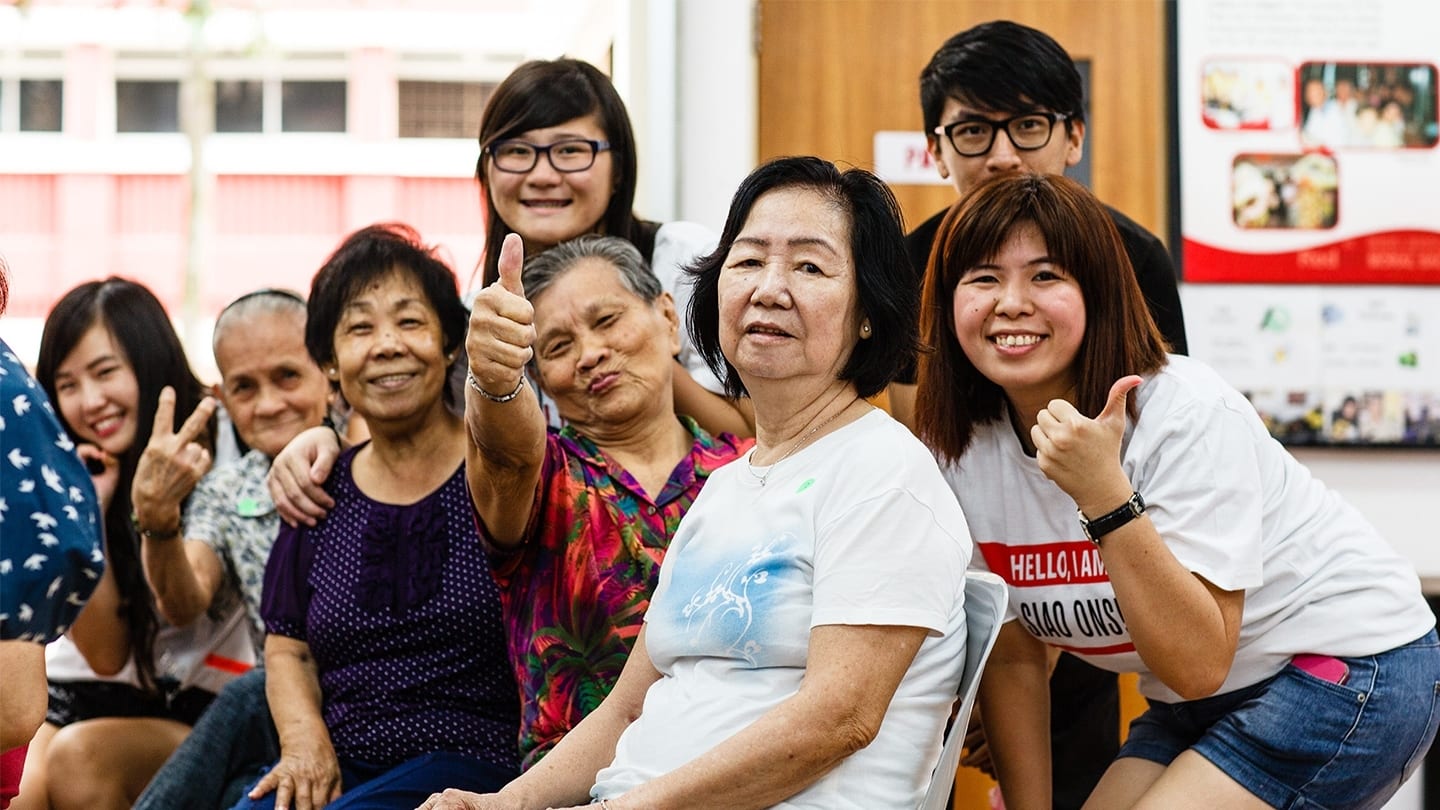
(740, 611)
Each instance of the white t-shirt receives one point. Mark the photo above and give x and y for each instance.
(206, 653)
(858, 528)
(1232, 506)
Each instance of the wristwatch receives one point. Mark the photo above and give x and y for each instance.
(1110, 521)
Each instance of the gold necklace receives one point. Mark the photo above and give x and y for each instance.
(796, 446)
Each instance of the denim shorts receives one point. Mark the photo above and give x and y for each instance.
(1299, 740)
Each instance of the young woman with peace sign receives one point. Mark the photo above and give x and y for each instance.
(1286, 652)
(119, 703)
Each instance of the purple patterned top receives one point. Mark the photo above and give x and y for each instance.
(403, 620)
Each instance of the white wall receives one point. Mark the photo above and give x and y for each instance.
(687, 70)
(1398, 490)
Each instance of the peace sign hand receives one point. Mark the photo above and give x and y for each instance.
(172, 464)
(1082, 455)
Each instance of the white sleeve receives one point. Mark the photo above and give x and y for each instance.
(1197, 468)
(677, 245)
(888, 560)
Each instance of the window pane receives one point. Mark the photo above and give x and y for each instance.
(442, 109)
(312, 106)
(237, 106)
(40, 103)
(147, 106)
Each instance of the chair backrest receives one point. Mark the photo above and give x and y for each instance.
(985, 599)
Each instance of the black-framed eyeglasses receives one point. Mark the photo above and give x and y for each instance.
(571, 155)
(974, 137)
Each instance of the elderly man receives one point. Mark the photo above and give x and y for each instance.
(272, 390)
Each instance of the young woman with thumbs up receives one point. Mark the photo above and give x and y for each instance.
(1285, 649)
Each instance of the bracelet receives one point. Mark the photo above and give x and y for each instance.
(153, 534)
(474, 383)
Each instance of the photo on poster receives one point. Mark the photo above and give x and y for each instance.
(1341, 408)
(1422, 418)
(1291, 416)
(1248, 94)
(1368, 105)
(1298, 191)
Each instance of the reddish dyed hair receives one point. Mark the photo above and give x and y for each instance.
(1120, 338)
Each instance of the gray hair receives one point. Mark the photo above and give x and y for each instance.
(260, 302)
(542, 269)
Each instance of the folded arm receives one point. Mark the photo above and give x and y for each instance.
(566, 774)
(851, 674)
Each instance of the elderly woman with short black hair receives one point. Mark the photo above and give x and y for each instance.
(385, 658)
(802, 647)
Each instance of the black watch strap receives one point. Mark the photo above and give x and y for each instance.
(1110, 521)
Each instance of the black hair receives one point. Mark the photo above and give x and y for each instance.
(877, 250)
(1002, 66)
(141, 330)
(366, 256)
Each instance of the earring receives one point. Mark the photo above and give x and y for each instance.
(449, 358)
(333, 371)
(865, 329)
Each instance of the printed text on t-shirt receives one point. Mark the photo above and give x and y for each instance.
(1071, 563)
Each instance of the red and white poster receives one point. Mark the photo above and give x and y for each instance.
(1308, 141)
(1309, 211)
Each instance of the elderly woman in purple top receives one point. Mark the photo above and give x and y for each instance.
(387, 675)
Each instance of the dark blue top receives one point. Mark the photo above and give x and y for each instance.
(50, 553)
(403, 619)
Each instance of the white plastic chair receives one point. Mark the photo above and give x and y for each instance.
(985, 599)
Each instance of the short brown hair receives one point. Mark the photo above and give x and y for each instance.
(1120, 337)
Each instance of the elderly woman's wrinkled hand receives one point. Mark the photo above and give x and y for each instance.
(297, 476)
(453, 799)
(310, 779)
(502, 326)
(173, 463)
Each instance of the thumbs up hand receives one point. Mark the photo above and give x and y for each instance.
(502, 326)
(1082, 455)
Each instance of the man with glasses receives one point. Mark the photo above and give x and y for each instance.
(1002, 97)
